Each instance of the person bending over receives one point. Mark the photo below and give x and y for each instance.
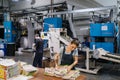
(68, 55)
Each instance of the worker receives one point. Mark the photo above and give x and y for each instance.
(86, 42)
(68, 55)
(37, 62)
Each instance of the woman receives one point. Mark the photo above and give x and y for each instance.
(37, 62)
(68, 55)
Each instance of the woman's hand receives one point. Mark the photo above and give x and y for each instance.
(56, 59)
(56, 66)
(69, 68)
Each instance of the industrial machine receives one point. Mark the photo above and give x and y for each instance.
(55, 22)
(9, 37)
(9, 31)
(27, 34)
(102, 36)
(56, 37)
(102, 45)
(51, 22)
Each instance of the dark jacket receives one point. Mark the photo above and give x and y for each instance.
(39, 45)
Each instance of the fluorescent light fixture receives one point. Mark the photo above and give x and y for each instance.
(28, 0)
(86, 28)
(15, 0)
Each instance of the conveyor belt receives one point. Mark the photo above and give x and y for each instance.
(111, 57)
(89, 53)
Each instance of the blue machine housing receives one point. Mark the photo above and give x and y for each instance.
(9, 31)
(55, 22)
(104, 30)
(108, 46)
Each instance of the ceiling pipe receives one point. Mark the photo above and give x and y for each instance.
(52, 1)
(84, 10)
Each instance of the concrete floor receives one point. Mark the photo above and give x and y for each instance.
(108, 72)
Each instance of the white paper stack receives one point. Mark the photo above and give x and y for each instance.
(20, 77)
(8, 68)
(62, 72)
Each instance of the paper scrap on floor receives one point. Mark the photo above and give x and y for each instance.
(20, 77)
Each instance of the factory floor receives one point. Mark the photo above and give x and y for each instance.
(108, 72)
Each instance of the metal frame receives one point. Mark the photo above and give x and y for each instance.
(87, 69)
(111, 57)
(108, 56)
(38, 9)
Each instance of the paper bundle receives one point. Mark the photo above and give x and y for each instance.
(62, 72)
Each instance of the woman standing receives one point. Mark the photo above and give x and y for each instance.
(37, 62)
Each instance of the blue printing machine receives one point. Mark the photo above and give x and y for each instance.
(102, 30)
(108, 46)
(56, 22)
(9, 31)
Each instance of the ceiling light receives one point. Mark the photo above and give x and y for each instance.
(15, 0)
(28, 0)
